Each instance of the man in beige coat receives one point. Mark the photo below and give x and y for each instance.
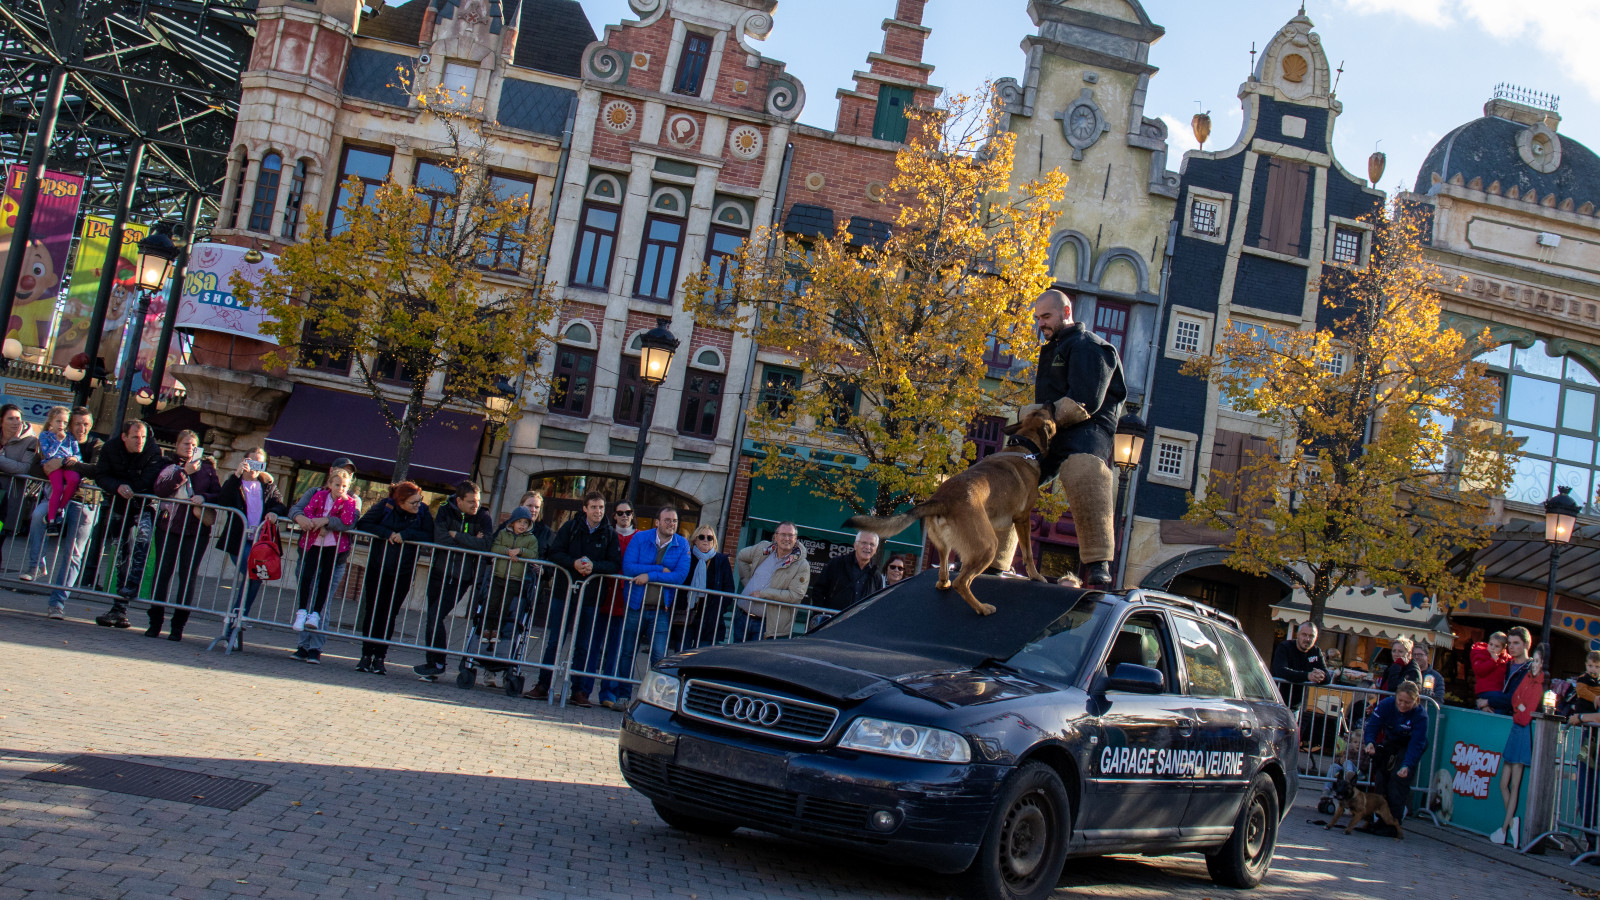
(771, 570)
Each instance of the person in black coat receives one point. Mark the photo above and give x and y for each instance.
(238, 533)
(185, 529)
(399, 522)
(1403, 668)
(460, 522)
(709, 568)
(1079, 376)
(849, 577)
(586, 545)
(1298, 662)
(128, 466)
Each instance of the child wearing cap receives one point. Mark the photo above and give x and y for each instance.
(515, 544)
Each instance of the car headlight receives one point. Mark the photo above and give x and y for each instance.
(661, 690)
(910, 741)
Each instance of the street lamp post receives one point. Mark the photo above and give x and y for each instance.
(656, 347)
(1560, 518)
(156, 253)
(1127, 448)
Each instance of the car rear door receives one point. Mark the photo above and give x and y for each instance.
(1130, 795)
(1224, 733)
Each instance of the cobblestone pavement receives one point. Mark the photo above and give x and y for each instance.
(395, 788)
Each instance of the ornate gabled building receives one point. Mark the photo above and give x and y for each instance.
(1256, 224)
(1513, 206)
(838, 177)
(678, 150)
(327, 96)
(1079, 107)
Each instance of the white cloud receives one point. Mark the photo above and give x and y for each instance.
(1557, 27)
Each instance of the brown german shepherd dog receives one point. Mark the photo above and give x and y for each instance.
(972, 513)
(1362, 805)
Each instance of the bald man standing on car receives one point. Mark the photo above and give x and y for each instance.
(1080, 375)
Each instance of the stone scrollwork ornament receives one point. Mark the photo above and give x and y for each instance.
(785, 97)
(1082, 122)
(607, 65)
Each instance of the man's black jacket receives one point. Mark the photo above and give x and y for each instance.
(574, 541)
(1078, 363)
(1294, 666)
(474, 532)
(843, 581)
(118, 467)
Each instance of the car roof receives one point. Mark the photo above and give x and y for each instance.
(1141, 596)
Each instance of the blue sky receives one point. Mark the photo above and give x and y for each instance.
(1413, 69)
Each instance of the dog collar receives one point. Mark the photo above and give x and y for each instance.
(1025, 444)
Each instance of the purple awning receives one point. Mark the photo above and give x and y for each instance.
(318, 426)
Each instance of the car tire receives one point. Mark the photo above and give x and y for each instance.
(682, 821)
(1244, 860)
(1025, 844)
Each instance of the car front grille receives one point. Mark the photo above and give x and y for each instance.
(795, 719)
(658, 778)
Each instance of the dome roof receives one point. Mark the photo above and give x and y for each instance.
(1527, 158)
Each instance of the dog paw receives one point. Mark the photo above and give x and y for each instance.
(1037, 578)
(1069, 580)
(985, 609)
(942, 585)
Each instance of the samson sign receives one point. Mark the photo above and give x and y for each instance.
(1475, 767)
(208, 302)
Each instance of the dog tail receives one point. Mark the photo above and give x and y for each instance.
(893, 525)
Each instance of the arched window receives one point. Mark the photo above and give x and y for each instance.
(238, 189)
(266, 199)
(1549, 403)
(291, 205)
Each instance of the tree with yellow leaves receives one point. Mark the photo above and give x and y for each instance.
(1387, 453)
(439, 281)
(889, 335)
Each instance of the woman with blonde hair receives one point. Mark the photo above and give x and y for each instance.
(709, 568)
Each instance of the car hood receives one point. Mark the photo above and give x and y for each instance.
(917, 638)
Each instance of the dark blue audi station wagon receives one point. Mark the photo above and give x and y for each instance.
(1069, 723)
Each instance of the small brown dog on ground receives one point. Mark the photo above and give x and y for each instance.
(979, 513)
(1361, 804)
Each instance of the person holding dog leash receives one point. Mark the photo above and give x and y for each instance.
(1080, 377)
(1396, 735)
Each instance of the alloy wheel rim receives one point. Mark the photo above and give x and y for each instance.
(1026, 838)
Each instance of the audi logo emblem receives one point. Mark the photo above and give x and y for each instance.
(740, 708)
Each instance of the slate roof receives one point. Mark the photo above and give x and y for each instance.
(1486, 148)
(399, 24)
(807, 220)
(553, 36)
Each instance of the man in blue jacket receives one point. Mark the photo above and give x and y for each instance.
(656, 557)
(1396, 735)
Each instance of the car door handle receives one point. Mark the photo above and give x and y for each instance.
(1248, 728)
(1185, 727)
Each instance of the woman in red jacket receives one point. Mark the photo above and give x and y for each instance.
(1526, 698)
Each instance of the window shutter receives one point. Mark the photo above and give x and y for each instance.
(1283, 207)
(1251, 449)
(1270, 206)
(1224, 465)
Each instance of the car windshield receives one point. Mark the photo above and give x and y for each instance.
(1058, 651)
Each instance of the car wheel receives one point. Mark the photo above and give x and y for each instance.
(1025, 844)
(683, 821)
(1243, 861)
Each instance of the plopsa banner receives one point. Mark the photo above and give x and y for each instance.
(208, 302)
(1467, 780)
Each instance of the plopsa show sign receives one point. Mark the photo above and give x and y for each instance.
(208, 302)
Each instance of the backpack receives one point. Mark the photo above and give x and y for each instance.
(266, 555)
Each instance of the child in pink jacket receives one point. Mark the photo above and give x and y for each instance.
(1489, 662)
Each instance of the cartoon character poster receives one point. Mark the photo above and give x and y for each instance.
(73, 330)
(208, 302)
(34, 305)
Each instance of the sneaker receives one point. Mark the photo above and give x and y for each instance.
(26, 576)
(608, 702)
(1516, 832)
(429, 671)
(1499, 836)
(314, 657)
(299, 620)
(376, 666)
(300, 654)
(58, 612)
(113, 620)
(313, 621)
(365, 665)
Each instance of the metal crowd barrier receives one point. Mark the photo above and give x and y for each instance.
(612, 645)
(438, 601)
(1577, 791)
(1332, 720)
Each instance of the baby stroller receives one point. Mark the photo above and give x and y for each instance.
(498, 627)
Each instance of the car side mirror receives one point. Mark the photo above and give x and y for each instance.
(1132, 678)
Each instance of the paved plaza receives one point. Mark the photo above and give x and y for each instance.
(388, 787)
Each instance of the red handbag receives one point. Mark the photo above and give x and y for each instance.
(266, 555)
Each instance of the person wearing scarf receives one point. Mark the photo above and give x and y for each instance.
(709, 569)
